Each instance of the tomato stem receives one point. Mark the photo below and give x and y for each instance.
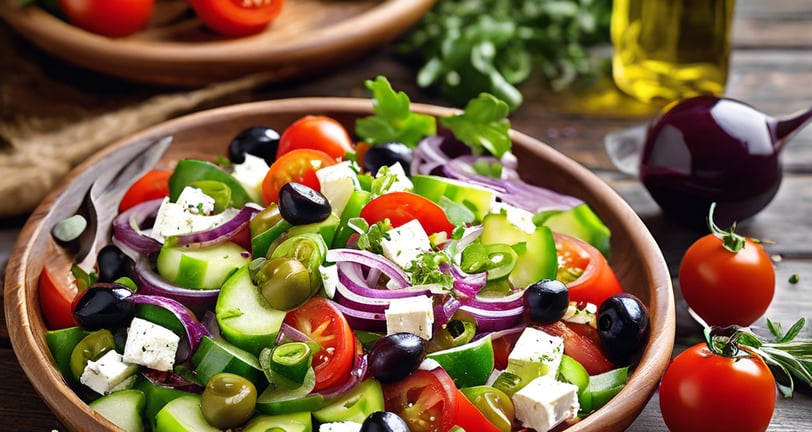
(730, 240)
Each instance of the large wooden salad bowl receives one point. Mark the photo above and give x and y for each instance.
(635, 257)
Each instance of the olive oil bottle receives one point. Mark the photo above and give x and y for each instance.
(671, 49)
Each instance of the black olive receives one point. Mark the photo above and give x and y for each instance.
(547, 300)
(384, 421)
(623, 326)
(104, 305)
(259, 141)
(300, 204)
(386, 155)
(395, 356)
(113, 264)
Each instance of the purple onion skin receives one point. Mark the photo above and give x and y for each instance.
(705, 150)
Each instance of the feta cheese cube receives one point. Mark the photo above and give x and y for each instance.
(536, 354)
(150, 345)
(108, 374)
(174, 219)
(329, 279)
(250, 174)
(401, 181)
(195, 201)
(410, 314)
(544, 403)
(338, 182)
(344, 426)
(521, 218)
(406, 243)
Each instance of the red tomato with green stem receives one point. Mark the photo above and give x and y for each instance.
(113, 18)
(316, 132)
(56, 296)
(584, 269)
(402, 207)
(709, 389)
(152, 185)
(322, 322)
(298, 166)
(726, 278)
(426, 400)
(237, 18)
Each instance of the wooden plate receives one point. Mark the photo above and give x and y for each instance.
(177, 50)
(636, 258)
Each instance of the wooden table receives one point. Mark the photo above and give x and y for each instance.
(771, 69)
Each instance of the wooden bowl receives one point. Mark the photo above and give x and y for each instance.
(636, 258)
(178, 50)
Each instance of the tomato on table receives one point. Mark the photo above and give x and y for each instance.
(298, 166)
(56, 296)
(152, 185)
(426, 400)
(702, 390)
(322, 322)
(316, 132)
(113, 18)
(402, 207)
(584, 269)
(237, 18)
(580, 343)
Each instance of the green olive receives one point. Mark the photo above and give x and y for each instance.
(91, 347)
(264, 220)
(228, 400)
(495, 404)
(309, 249)
(284, 282)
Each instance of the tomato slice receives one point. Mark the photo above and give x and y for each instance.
(237, 18)
(597, 280)
(55, 299)
(581, 345)
(152, 185)
(402, 207)
(426, 400)
(299, 166)
(316, 132)
(322, 322)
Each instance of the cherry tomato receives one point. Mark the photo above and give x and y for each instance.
(153, 185)
(237, 18)
(299, 166)
(320, 320)
(55, 299)
(316, 132)
(580, 343)
(725, 287)
(402, 207)
(701, 390)
(426, 400)
(113, 18)
(595, 280)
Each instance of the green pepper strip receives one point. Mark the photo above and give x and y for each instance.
(291, 361)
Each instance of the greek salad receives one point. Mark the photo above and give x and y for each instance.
(399, 278)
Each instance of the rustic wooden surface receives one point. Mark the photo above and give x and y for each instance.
(771, 69)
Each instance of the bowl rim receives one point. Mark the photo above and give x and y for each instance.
(20, 292)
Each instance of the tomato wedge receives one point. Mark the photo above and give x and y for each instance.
(322, 322)
(596, 281)
(152, 185)
(300, 166)
(402, 207)
(426, 400)
(55, 300)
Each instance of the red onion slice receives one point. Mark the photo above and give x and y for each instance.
(194, 329)
(223, 232)
(493, 320)
(363, 320)
(127, 227)
(372, 260)
(150, 283)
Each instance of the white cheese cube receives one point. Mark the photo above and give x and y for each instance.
(329, 279)
(406, 243)
(150, 345)
(108, 374)
(173, 219)
(344, 426)
(250, 174)
(587, 315)
(520, 218)
(410, 314)
(401, 183)
(338, 182)
(195, 201)
(544, 403)
(536, 354)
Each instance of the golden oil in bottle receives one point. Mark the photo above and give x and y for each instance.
(671, 49)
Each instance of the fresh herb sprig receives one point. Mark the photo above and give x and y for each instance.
(471, 46)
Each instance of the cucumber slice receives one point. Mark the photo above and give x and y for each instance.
(214, 356)
(294, 422)
(245, 318)
(183, 415)
(536, 261)
(123, 408)
(475, 198)
(203, 268)
(356, 405)
(157, 396)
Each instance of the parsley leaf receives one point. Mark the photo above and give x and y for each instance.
(393, 120)
(425, 270)
(483, 125)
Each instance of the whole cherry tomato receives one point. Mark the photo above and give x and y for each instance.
(318, 133)
(113, 18)
(298, 166)
(237, 18)
(726, 278)
(705, 390)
